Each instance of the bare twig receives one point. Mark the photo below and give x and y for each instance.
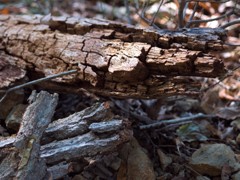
(128, 11)
(182, 4)
(37, 81)
(177, 120)
(147, 21)
(155, 15)
(190, 22)
(144, 119)
(142, 15)
(230, 73)
(145, 6)
(185, 10)
(236, 21)
(230, 44)
(173, 126)
(136, 2)
(192, 15)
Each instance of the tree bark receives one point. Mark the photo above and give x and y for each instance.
(111, 59)
(36, 148)
(23, 161)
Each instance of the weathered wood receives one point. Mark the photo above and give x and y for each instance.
(59, 170)
(85, 145)
(23, 159)
(87, 133)
(77, 123)
(111, 58)
(35, 120)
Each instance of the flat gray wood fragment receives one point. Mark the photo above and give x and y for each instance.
(35, 120)
(77, 123)
(59, 170)
(106, 126)
(80, 146)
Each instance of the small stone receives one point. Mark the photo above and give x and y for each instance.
(164, 159)
(136, 164)
(210, 159)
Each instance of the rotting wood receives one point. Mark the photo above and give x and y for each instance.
(87, 133)
(111, 58)
(88, 144)
(77, 123)
(23, 161)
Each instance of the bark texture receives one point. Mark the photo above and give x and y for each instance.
(23, 161)
(111, 58)
(39, 146)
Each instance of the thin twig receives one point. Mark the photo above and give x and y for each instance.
(145, 6)
(37, 81)
(230, 44)
(177, 120)
(155, 15)
(173, 126)
(236, 21)
(185, 10)
(142, 15)
(136, 2)
(230, 73)
(144, 119)
(128, 11)
(192, 15)
(180, 13)
(147, 21)
(190, 22)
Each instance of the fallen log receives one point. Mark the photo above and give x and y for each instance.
(110, 58)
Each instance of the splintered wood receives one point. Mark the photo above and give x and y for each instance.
(111, 59)
(40, 144)
(22, 160)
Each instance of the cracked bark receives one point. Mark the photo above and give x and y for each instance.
(112, 59)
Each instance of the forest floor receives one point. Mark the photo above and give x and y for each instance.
(197, 138)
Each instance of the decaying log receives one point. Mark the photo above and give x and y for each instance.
(111, 58)
(23, 160)
(87, 133)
